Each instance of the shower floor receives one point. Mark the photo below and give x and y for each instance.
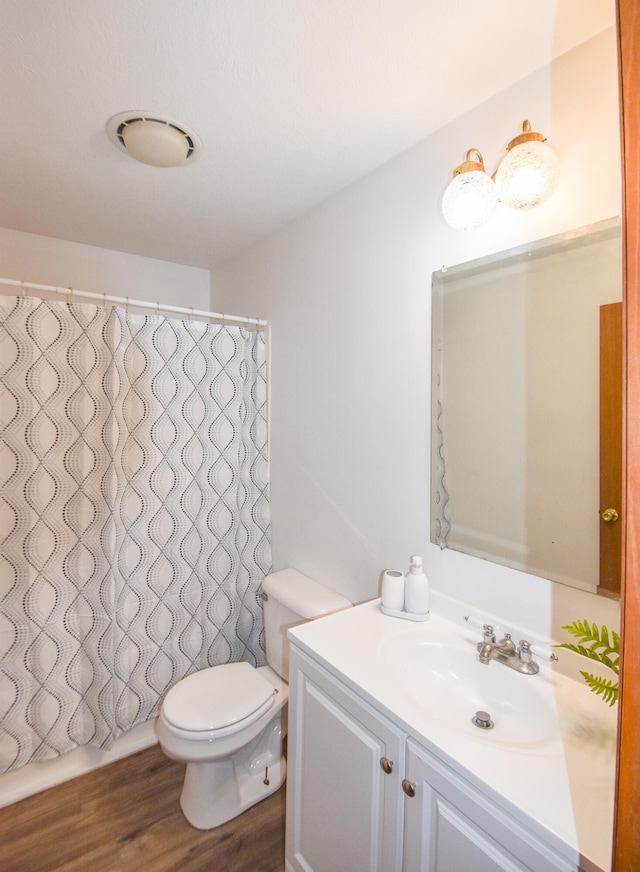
(125, 817)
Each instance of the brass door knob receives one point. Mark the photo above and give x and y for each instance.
(386, 765)
(609, 516)
(409, 787)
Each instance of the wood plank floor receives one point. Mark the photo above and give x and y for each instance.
(126, 817)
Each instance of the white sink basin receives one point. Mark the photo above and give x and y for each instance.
(450, 685)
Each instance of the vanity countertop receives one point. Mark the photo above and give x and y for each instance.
(562, 787)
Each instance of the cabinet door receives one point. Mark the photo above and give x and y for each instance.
(450, 827)
(344, 812)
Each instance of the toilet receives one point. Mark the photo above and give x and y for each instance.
(228, 723)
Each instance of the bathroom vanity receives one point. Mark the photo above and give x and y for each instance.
(387, 772)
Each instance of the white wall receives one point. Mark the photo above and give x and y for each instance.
(347, 292)
(40, 259)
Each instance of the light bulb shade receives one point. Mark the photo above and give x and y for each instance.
(470, 200)
(528, 175)
(158, 145)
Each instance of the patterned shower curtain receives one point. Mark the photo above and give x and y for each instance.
(134, 515)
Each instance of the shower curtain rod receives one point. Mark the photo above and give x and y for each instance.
(140, 304)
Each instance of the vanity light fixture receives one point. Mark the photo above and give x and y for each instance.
(471, 197)
(154, 139)
(527, 176)
(529, 172)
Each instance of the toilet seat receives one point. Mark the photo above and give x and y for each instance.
(217, 701)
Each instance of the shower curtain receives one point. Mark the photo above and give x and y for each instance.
(134, 515)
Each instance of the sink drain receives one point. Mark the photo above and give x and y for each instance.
(482, 720)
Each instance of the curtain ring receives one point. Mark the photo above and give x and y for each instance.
(158, 308)
(126, 306)
(69, 293)
(104, 299)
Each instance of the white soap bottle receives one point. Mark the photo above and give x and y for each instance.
(416, 589)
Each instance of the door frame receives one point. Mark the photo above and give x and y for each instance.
(626, 850)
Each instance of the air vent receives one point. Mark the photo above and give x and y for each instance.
(154, 139)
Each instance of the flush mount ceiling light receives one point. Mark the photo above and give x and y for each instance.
(529, 172)
(471, 197)
(154, 139)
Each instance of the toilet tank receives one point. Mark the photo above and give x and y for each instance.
(289, 599)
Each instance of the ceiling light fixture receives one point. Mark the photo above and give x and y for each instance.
(529, 172)
(471, 197)
(154, 139)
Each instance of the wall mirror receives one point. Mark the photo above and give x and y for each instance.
(527, 408)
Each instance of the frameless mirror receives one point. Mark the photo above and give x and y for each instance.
(527, 408)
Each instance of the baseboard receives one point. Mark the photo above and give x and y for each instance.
(43, 774)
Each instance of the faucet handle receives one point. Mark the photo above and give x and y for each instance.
(525, 658)
(488, 634)
(524, 651)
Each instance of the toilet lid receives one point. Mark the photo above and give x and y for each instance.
(217, 697)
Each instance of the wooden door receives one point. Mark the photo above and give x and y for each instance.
(627, 821)
(610, 449)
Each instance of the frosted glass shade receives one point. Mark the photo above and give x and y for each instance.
(528, 175)
(469, 201)
(158, 145)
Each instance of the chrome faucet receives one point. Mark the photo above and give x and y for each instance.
(505, 651)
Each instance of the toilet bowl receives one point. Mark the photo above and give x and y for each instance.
(233, 749)
(228, 722)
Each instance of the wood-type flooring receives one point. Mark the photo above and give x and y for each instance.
(125, 817)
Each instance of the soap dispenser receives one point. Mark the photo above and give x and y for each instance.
(416, 589)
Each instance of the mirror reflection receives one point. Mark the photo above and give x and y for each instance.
(527, 406)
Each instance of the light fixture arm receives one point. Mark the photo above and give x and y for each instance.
(527, 135)
(469, 165)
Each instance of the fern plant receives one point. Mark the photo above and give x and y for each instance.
(596, 644)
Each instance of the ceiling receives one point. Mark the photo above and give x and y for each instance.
(292, 99)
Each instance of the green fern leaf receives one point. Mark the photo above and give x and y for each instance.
(595, 644)
(603, 687)
(592, 633)
(599, 638)
(598, 656)
(580, 629)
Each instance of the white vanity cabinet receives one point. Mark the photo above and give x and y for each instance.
(345, 770)
(364, 797)
(450, 827)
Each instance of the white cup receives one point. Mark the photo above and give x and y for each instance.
(393, 590)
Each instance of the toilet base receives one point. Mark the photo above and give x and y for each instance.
(217, 791)
(214, 793)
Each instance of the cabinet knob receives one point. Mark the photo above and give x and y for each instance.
(409, 787)
(610, 516)
(386, 765)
